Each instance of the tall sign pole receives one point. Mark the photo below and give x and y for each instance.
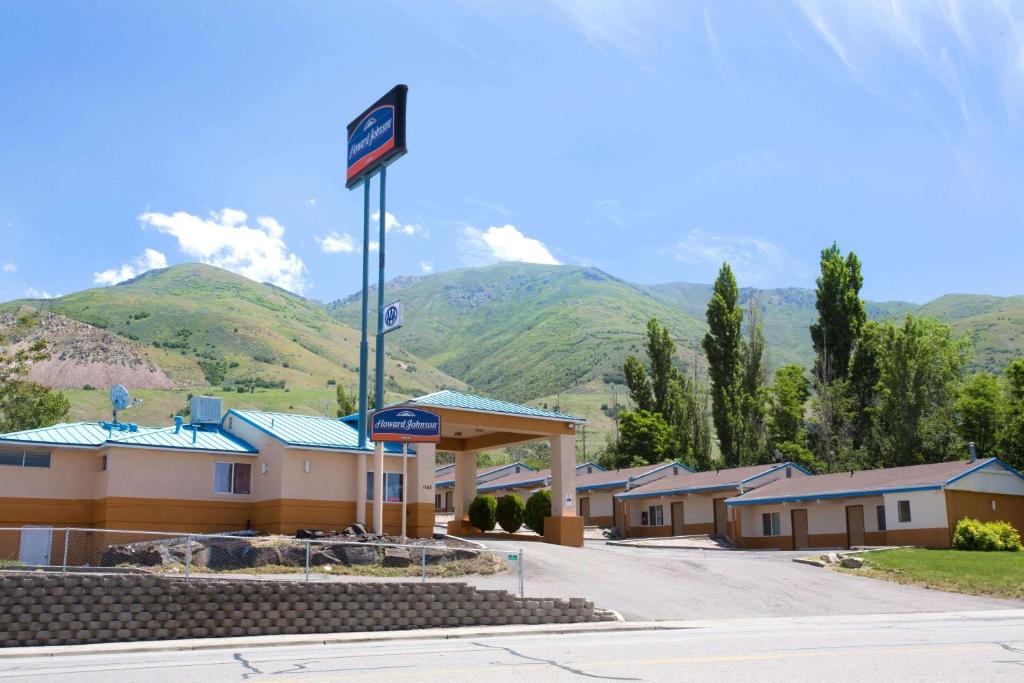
(379, 365)
(375, 139)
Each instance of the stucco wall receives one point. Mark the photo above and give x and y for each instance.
(71, 475)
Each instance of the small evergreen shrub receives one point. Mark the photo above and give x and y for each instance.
(510, 512)
(972, 534)
(537, 508)
(483, 512)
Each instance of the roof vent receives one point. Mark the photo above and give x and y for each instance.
(204, 410)
(973, 450)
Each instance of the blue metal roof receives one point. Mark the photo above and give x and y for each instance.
(310, 431)
(70, 434)
(204, 440)
(95, 434)
(458, 400)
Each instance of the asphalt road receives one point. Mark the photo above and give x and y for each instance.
(653, 584)
(949, 647)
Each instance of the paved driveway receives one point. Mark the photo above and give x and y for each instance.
(644, 584)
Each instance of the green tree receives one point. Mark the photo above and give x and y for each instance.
(347, 403)
(789, 394)
(979, 408)
(722, 346)
(24, 404)
(510, 512)
(644, 438)
(1011, 432)
(639, 384)
(660, 349)
(753, 433)
(860, 388)
(840, 312)
(538, 506)
(483, 512)
(920, 367)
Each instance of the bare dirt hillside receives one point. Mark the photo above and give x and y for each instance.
(81, 354)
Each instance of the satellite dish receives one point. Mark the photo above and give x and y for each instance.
(119, 397)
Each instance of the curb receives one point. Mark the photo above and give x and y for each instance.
(641, 544)
(201, 644)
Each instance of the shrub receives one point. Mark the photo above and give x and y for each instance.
(483, 512)
(510, 512)
(971, 534)
(537, 508)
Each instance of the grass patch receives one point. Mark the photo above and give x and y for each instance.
(959, 571)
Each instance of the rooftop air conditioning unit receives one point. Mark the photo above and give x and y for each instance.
(204, 410)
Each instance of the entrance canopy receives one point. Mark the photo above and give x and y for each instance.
(470, 424)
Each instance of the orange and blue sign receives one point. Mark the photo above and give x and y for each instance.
(405, 424)
(377, 136)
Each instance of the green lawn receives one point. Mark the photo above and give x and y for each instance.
(962, 571)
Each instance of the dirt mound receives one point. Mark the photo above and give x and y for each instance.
(80, 354)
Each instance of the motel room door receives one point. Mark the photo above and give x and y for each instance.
(799, 520)
(678, 528)
(617, 514)
(35, 546)
(585, 510)
(721, 519)
(854, 525)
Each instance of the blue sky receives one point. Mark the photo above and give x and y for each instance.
(649, 139)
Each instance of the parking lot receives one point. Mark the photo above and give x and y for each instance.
(648, 584)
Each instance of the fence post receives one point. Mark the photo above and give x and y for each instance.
(188, 556)
(522, 584)
(67, 540)
(307, 560)
(423, 563)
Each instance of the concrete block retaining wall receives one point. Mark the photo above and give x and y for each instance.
(67, 609)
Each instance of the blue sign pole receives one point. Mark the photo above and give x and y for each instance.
(379, 384)
(364, 346)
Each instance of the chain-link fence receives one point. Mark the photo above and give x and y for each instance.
(245, 554)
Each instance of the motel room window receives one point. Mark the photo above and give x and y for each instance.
(437, 501)
(232, 477)
(904, 509)
(103, 463)
(25, 459)
(392, 487)
(656, 515)
(880, 511)
(772, 523)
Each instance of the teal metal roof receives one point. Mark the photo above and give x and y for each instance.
(69, 434)
(456, 399)
(205, 440)
(311, 431)
(95, 434)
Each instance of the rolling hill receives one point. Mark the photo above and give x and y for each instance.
(206, 326)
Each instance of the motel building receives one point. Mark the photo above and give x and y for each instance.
(689, 503)
(444, 481)
(596, 488)
(916, 505)
(272, 472)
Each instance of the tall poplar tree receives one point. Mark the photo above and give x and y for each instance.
(841, 313)
(723, 347)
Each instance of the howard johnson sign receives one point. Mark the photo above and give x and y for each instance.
(405, 424)
(377, 136)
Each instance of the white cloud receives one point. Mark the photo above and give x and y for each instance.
(753, 260)
(426, 267)
(374, 245)
(33, 293)
(147, 260)
(225, 240)
(504, 243)
(311, 202)
(391, 223)
(337, 243)
(10, 268)
(968, 49)
(627, 26)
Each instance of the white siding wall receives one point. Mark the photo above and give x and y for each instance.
(992, 479)
(600, 502)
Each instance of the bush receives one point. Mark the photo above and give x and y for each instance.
(483, 512)
(971, 534)
(537, 508)
(510, 512)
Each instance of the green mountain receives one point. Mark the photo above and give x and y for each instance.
(522, 331)
(206, 326)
